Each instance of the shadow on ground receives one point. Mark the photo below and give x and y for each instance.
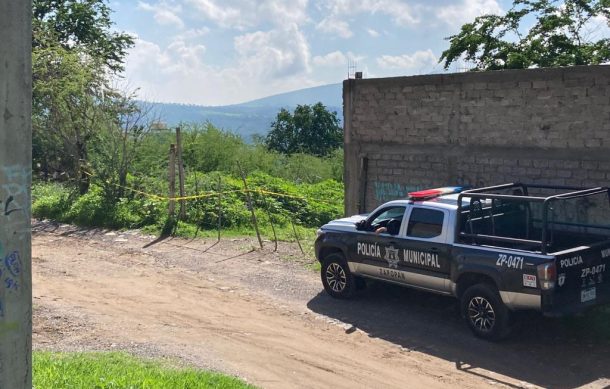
(555, 353)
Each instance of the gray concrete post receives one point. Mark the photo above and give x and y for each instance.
(15, 178)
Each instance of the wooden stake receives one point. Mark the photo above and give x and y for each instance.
(172, 180)
(219, 206)
(297, 237)
(196, 194)
(250, 205)
(182, 214)
(270, 221)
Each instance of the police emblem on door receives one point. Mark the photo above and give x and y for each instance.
(391, 255)
(561, 279)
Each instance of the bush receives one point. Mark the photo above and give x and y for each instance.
(51, 200)
(89, 209)
(282, 201)
(207, 149)
(305, 189)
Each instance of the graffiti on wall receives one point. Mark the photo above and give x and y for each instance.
(14, 195)
(14, 225)
(386, 191)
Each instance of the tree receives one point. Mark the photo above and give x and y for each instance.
(65, 115)
(75, 56)
(83, 25)
(310, 129)
(117, 142)
(563, 34)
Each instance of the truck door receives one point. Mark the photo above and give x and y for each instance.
(376, 248)
(424, 248)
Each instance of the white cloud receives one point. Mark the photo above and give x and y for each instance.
(250, 13)
(415, 62)
(275, 53)
(268, 62)
(335, 26)
(336, 58)
(176, 73)
(372, 32)
(225, 16)
(164, 14)
(596, 28)
(195, 33)
(465, 11)
(337, 11)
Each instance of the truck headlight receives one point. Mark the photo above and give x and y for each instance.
(319, 232)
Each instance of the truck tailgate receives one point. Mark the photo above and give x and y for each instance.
(583, 280)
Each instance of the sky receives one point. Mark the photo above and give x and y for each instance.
(219, 52)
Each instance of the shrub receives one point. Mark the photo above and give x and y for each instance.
(309, 205)
(51, 200)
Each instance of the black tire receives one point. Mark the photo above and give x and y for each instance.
(338, 281)
(485, 313)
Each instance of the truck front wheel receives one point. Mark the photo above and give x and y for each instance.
(485, 313)
(338, 281)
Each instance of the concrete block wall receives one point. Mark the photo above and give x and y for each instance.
(549, 126)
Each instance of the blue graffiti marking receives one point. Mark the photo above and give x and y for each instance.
(12, 262)
(385, 191)
(388, 190)
(11, 284)
(1, 309)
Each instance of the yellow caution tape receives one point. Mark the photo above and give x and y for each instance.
(203, 195)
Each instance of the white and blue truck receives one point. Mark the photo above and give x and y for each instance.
(497, 249)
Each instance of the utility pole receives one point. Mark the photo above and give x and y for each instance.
(15, 182)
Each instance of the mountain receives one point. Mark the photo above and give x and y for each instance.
(329, 95)
(252, 117)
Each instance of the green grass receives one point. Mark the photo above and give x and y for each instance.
(119, 370)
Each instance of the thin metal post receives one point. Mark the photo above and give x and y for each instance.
(270, 221)
(172, 181)
(182, 214)
(250, 205)
(219, 206)
(296, 236)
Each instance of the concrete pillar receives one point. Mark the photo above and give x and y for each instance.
(15, 178)
(351, 154)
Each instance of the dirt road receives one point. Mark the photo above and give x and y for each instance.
(263, 316)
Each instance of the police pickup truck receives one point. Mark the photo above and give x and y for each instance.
(497, 249)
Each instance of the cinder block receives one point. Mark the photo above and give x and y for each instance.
(495, 111)
(539, 84)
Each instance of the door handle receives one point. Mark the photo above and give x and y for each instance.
(393, 243)
(434, 250)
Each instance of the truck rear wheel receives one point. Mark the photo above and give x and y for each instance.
(485, 313)
(338, 281)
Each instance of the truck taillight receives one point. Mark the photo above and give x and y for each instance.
(547, 274)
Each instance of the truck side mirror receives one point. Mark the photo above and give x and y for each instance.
(361, 225)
